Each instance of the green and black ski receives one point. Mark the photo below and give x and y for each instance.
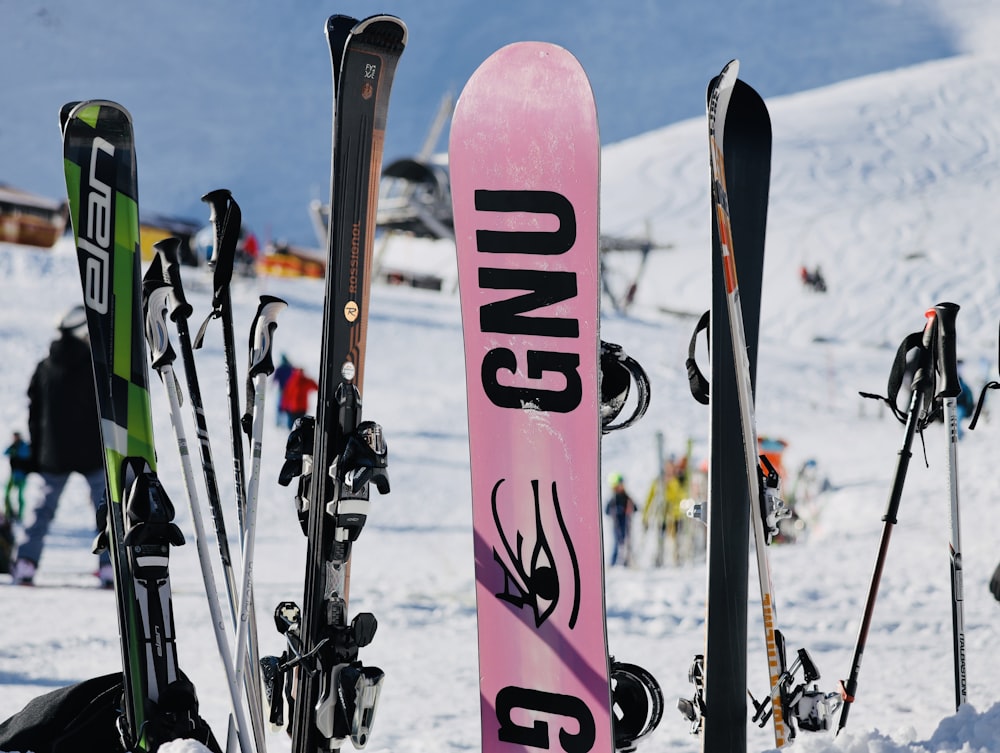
(159, 704)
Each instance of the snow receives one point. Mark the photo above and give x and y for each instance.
(884, 179)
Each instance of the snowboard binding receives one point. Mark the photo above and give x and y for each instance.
(693, 708)
(618, 371)
(636, 704)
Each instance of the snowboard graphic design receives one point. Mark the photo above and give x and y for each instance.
(524, 158)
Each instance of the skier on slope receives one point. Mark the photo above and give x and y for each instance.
(65, 439)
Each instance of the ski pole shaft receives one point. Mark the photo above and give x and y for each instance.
(950, 388)
(955, 557)
(921, 383)
(226, 218)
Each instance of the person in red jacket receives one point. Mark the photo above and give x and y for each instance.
(295, 395)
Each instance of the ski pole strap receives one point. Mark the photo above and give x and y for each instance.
(696, 379)
(200, 337)
(913, 341)
(979, 404)
(982, 399)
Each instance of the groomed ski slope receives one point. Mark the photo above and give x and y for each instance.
(887, 182)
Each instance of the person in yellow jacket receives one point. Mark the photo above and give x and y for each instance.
(663, 509)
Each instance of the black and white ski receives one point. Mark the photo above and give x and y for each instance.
(338, 455)
(740, 147)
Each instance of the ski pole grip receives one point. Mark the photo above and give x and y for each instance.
(262, 335)
(226, 219)
(168, 250)
(161, 353)
(949, 386)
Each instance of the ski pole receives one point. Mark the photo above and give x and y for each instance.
(155, 292)
(226, 218)
(166, 265)
(949, 389)
(921, 384)
(261, 365)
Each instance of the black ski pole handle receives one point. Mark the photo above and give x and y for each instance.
(226, 219)
(948, 386)
(925, 364)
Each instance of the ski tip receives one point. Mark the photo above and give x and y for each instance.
(550, 72)
(725, 80)
(384, 30)
(338, 22)
(64, 114)
(89, 111)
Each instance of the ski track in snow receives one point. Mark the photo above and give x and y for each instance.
(887, 182)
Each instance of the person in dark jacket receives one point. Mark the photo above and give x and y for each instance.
(280, 376)
(19, 453)
(620, 507)
(65, 431)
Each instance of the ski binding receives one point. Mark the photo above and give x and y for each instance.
(773, 509)
(693, 708)
(811, 708)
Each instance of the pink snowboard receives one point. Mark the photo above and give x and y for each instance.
(524, 162)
